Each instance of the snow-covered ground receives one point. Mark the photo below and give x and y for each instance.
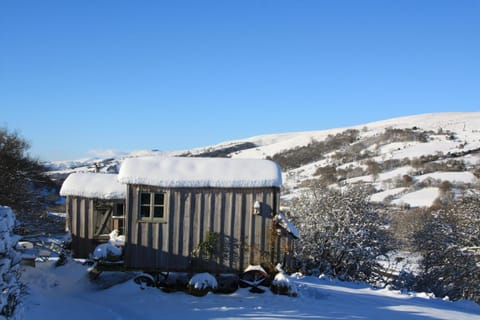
(421, 198)
(66, 293)
(453, 177)
(464, 124)
(380, 196)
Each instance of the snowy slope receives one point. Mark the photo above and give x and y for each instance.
(66, 293)
(451, 136)
(466, 125)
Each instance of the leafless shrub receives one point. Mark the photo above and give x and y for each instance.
(315, 150)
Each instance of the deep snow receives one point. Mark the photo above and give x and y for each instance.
(200, 172)
(67, 293)
(93, 185)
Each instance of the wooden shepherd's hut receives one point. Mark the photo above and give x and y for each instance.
(203, 214)
(95, 205)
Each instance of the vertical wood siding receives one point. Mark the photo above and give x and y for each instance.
(79, 216)
(244, 238)
(83, 221)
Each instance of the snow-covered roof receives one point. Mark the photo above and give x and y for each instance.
(93, 185)
(286, 224)
(200, 172)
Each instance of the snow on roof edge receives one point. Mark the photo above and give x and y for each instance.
(93, 185)
(200, 172)
(286, 224)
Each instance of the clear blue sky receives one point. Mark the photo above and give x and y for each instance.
(77, 76)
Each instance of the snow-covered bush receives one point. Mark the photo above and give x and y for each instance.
(106, 251)
(315, 150)
(112, 250)
(281, 284)
(10, 288)
(402, 135)
(406, 224)
(450, 245)
(342, 235)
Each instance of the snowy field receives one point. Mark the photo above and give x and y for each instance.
(66, 293)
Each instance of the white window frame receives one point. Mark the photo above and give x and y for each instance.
(152, 206)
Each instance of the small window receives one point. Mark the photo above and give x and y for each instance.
(119, 210)
(119, 218)
(153, 206)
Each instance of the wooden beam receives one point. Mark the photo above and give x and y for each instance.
(107, 215)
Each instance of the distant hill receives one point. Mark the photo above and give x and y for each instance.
(408, 161)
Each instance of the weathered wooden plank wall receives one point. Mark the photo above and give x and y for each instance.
(245, 238)
(79, 219)
(84, 222)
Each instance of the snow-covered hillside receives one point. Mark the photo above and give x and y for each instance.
(426, 149)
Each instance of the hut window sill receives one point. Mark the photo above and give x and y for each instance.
(152, 221)
(153, 207)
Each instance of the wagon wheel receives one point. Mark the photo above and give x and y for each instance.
(226, 283)
(197, 292)
(144, 280)
(93, 274)
(253, 279)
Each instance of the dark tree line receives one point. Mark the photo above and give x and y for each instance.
(23, 184)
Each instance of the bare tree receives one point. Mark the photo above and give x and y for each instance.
(450, 245)
(23, 184)
(342, 235)
(373, 168)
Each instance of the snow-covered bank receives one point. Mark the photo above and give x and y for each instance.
(9, 266)
(66, 293)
